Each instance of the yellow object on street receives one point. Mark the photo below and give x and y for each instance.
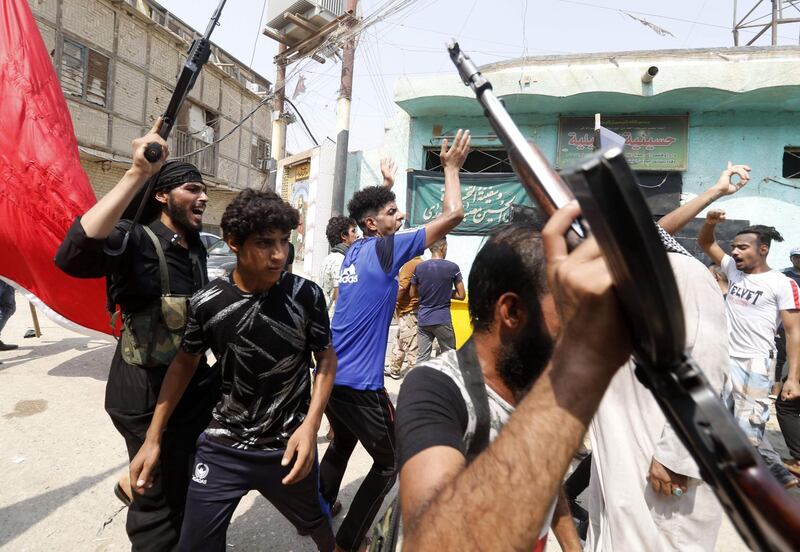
(459, 312)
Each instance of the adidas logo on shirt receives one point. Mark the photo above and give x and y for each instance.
(349, 275)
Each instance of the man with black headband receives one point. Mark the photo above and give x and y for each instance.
(150, 279)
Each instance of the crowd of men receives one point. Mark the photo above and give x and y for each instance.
(482, 436)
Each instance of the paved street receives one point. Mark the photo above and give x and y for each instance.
(60, 454)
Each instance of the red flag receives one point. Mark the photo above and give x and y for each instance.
(42, 184)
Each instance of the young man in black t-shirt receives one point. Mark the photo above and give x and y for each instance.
(263, 324)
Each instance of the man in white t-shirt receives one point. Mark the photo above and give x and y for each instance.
(341, 233)
(758, 299)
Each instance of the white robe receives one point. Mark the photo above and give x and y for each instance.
(629, 429)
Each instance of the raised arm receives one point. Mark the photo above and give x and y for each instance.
(705, 238)
(99, 221)
(677, 219)
(179, 373)
(452, 208)
(524, 466)
(388, 170)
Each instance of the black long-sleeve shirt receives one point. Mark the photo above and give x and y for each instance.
(133, 276)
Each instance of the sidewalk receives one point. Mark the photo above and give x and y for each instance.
(61, 455)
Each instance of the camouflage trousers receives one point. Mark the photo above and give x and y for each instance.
(405, 344)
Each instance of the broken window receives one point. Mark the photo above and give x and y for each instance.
(84, 73)
(791, 162)
(485, 160)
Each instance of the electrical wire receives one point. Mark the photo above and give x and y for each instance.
(308, 130)
(258, 34)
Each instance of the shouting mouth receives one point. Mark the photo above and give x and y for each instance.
(197, 213)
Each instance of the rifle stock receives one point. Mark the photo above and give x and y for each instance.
(767, 518)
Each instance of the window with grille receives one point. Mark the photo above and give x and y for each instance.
(84, 73)
(259, 152)
(791, 162)
(485, 160)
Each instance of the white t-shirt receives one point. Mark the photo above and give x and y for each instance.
(753, 306)
(329, 278)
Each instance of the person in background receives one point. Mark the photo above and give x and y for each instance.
(359, 409)
(341, 233)
(8, 306)
(788, 411)
(436, 281)
(405, 342)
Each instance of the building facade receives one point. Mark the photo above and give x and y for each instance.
(702, 109)
(118, 62)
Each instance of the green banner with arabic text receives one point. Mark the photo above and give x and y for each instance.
(487, 199)
(652, 143)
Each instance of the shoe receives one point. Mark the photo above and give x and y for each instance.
(120, 494)
(792, 465)
(7, 347)
(392, 374)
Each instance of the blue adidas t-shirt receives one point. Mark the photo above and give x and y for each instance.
(367, 296)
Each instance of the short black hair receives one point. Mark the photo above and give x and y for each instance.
(336, 227)
(438, 245)
(512, 260)
(765, 234)
(253, 211)
(368, 202)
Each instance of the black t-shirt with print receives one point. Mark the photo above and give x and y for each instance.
(263, 345)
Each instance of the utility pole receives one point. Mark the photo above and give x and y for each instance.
(754, 19)
(343, 116)
(278, 149)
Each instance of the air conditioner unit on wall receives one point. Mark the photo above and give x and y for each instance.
(318, 12)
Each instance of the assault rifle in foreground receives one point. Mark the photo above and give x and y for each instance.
(767, 518)
(198, 55)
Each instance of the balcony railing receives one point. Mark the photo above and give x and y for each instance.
(205, 160)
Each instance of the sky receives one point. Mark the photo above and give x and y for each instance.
(412, 42)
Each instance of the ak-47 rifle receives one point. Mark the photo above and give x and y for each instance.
(198, 55)
(767, 518)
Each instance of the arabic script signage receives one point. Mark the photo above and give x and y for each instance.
(651, 143)
(487, 199)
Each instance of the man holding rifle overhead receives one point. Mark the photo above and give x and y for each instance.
(163, 264)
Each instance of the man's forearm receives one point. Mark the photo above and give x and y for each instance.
(323, 385)
(523, 466)
(705, 239)
(793, 354)
(99, 221)
(564, 527)
(673, 222)
(452, 206)
(178, 376)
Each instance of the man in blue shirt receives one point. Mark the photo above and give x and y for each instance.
(359, 408)
(433, 283)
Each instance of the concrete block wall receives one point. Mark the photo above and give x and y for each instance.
(145, 60)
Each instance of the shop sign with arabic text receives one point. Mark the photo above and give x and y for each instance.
(487, 199)
(651, 143)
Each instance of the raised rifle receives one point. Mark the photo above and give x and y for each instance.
(199, 52)
(767, 518)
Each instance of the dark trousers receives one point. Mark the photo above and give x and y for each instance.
(789, 420)
(8, 304)
(366, 416)
(155, 518)
(443, 333)
(223, 475)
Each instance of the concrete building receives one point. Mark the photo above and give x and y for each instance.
(118, 62)
(702, 109)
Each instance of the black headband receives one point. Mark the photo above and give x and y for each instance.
(175, 173)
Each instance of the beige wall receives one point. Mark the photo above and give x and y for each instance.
(145, 60)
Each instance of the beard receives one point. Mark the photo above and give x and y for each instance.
(521, 363)
(180, 216)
